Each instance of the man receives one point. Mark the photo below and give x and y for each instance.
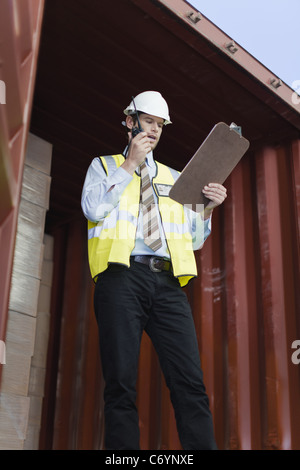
(139, 278)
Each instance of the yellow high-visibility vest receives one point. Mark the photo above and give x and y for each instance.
(112, 239)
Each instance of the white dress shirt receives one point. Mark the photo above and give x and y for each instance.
(97, 201)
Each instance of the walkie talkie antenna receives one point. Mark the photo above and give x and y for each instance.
(137, 115)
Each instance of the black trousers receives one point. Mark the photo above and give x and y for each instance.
(128, 301)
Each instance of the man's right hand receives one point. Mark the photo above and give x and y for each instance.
(139, 147)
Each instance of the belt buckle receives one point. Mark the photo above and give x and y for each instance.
(152, 267)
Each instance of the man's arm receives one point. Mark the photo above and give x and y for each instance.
(201, 223)
(101, 193)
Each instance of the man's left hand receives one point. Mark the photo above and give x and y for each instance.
(217, 194)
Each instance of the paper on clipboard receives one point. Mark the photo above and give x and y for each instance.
(212, 163)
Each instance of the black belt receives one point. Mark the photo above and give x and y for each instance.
(155, 263)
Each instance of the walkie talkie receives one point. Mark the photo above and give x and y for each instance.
(136, 130)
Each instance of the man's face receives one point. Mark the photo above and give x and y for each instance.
(151, 124)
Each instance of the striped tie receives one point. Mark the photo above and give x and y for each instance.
(150, 222)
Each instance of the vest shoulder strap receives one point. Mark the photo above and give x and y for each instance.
(111, 162)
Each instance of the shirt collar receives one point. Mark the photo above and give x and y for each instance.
(150, 159)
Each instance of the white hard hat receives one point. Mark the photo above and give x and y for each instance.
(150, 102)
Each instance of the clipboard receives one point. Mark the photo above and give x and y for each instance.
(212, 163)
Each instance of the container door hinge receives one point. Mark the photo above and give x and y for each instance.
(231, 47)
(275, 82)
(194, 17)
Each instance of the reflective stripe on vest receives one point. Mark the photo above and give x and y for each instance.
(112, 239)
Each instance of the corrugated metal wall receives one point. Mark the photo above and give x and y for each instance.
(246, 309)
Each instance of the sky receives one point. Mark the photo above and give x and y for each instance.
(267, 29)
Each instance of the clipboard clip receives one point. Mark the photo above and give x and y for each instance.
(236, 128)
